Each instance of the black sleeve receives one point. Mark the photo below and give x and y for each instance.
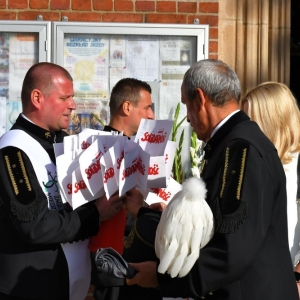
(242, 193)
(25, 210)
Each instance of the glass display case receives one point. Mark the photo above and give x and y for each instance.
(22, 44)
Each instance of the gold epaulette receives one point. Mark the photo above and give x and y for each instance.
(24, 201)
(17, 172)
(230, 210)
(233, 171)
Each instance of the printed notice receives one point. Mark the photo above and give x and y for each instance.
(23, 53)
(142, 59)
(86, 58)
(117, 62)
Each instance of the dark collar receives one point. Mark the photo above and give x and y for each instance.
(110, 129)
(36, 130)
(223, 131)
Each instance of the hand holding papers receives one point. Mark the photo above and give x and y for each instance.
(108, 209)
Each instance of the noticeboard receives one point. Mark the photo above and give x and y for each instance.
(22, 44)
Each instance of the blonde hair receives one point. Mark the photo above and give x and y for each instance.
(274, 108)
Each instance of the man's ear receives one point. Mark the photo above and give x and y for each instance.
(37, 98)
(126, 107)
(201, 98)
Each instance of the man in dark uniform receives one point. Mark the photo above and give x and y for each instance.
(43, 242)
(248, 256)
(130, 101)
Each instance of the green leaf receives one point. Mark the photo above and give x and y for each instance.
(177, 170)
(98, 119)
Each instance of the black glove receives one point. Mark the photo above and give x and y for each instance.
(113, 266)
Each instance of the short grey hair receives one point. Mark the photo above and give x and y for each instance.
(216, 79)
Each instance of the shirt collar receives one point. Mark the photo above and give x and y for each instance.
(223, 122)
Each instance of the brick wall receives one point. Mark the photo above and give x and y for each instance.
(137, 11)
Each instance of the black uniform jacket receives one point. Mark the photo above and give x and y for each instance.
(248, 257)
(32, 262)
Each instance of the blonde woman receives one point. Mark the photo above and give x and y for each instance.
(274, 108)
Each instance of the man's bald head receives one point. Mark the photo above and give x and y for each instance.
(41, 77)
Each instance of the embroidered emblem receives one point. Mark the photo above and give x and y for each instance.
(48, 135)
(51, 182)
(52, 192)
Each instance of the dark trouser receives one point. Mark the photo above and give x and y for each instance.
(9, 297)
(135, 292)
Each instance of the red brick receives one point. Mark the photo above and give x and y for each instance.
(2, 3)
(32, 15)
(17, 3)
(144, 5)
(60, 4)
(187, 7)
(213, 33)
(106, 5)
(121, 5)
(205, 19)
(81, 5)
(209, 7)
(38, 4)
(169, 18)
(210, 20)
(213, 56)
(5, 15)
(119, 17)
(213, 47)
(83, 17)
(166, 6)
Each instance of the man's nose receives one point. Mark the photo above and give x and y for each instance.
(72, 104)
(151, 115)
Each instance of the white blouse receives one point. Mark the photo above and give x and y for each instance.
(293, 209)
